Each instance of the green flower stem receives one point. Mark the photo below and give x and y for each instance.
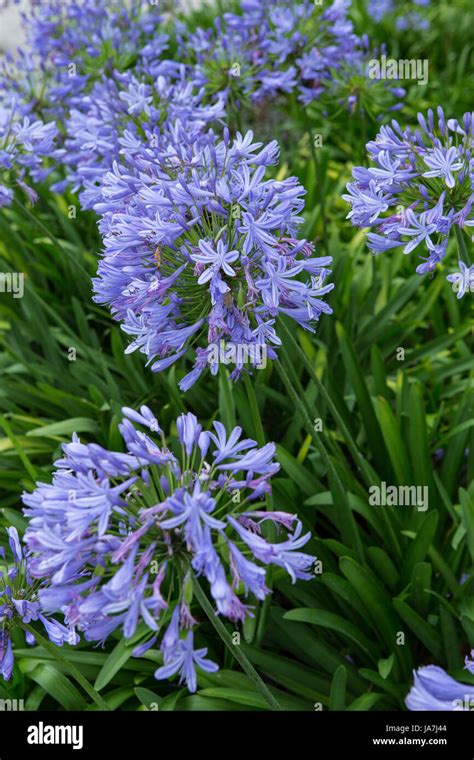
(369, 475)
(348, 525)
(463, 252)
(257, 420)
(331, 445)
(365, 469)
(73, 671)
(319, 182)
(263, 609)
(228, 410)
(224, 634)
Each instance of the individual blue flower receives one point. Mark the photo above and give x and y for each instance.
(463, 281)
(434, 689)
(285, 554)
(15, 546)
(247, 572)
(6, 656)
(184, 660)
(420, 228)
(215, 261)
(192, 511)
(443, 162)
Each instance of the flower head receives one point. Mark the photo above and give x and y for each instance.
(20, 605)
(201, 253)
(26, 144)
(405, 13)
(419, 186)
(151, 519)
(266, 49)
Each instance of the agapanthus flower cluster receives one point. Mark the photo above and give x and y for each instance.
(333, 67)
(120, 537)
(75, 42)
(20, 75)
(434, 689)
(149, 102)
(266, 48)
(20, 605)
(333, 50)
(276, 47)
(408, 14)
(418, 188)
(72, 45)
(201, 252)
(98, 70)
(26, 143)
(248, 54)
(68, 79)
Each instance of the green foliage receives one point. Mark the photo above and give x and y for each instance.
(390, 376)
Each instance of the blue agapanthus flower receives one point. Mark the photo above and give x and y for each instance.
(418, 188)
(201, 250)
(107, 121)
(97, 71)
(118, 536)
(67, 86)
(407, 13)
(76, 77)
(26, 144)
(247, 54)
(76, 42)
(270, 48)
(332, 66)
(19, 603)
(463, 280)
(434, 689)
